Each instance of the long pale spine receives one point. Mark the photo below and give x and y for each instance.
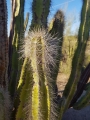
(38, 50)
(38, 101)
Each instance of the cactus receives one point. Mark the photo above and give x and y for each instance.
(46, 10)
(58, 29)
(11, 37)
(40, 11)
(5, 103)
(16, 43)
(38, 81)
(78, 57)
(26, 21)
(58, 24)
(3, 44)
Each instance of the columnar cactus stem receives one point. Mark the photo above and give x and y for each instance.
(45, 13)
(19, 87)
(37, 7)
(11, 37)
(4, 95)
(58, 24)
(78, 57)
(58, 29)
(40, 10)
(17, 40)
(26, 21)
(3, 44)
(39, 99)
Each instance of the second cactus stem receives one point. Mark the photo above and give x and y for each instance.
(78, 58)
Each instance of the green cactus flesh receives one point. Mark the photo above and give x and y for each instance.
(37, 7)
(23, 74)
(45, 12)
(37, 95)
(16, 43)
(38, 91)
(40, 10)
(78, 56)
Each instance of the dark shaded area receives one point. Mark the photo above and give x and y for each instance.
(81, 84)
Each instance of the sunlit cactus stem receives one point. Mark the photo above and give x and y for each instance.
(37, 94)
(78, 58)
(16, 43)
(57, 30)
